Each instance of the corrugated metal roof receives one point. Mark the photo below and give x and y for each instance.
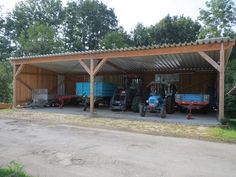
(190, 61)
(89, 52)
(176, 62)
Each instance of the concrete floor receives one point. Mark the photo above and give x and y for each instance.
(62, 150)
(209, 119)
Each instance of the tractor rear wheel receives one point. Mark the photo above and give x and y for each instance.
(170, 105)
(135, 104)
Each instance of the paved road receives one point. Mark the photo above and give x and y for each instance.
(60, 150)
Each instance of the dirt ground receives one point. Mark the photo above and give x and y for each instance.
(62, 150)
(153, 127)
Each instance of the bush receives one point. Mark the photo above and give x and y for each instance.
(5, 82)
(230, 106)
(13, 170)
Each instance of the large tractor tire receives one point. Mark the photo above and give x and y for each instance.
(135, 104)
(170, 105)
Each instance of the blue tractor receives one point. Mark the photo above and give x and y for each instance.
(161, 99)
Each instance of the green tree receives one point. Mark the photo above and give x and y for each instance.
(219, 19)
(91, 20)
(175, 30)
(115, 39)
(6, 81)
(40, 39)
(230, 75)
(5, 66)
(72, 28)
(168, 30)
(141, 36)
(5, 45)
(27, 13)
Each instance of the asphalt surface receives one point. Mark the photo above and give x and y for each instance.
(62, 150)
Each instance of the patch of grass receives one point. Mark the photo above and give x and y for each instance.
(226, 134)
(7, 110)
(14, 169)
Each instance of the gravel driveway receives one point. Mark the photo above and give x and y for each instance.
(62, 150)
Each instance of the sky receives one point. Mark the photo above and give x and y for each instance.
(147, 12)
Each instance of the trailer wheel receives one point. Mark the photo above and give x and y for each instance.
(142, 114)
(85, 106)
(170, 105)
(142, 110)
(96, 104)
(163, 112)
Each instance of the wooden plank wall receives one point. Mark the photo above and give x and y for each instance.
(38, 78)
(196, 82)
(34, 78)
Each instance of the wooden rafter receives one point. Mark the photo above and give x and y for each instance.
(17, 72)
(209, 60)
(85, 67)
(98, 67)
(227, 55)
(116, 67)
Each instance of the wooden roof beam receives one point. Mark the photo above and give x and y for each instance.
(227, 55)
(86, 68)
(116, 67)
(210, 60)
(19, 69)
(99, 66)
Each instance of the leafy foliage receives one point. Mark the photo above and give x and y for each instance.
(230, 75)
(115, 39)
(230, 106)
(177, 29)
(13, 170)
(141, 36)
(169, 30)
(218, 18)
(88, 22)
(6, 81)
(25, 19)
(40, 39)
(72, 28)
(5, 44)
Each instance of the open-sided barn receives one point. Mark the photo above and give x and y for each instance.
(200, 67)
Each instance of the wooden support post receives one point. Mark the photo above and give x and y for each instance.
(14, 87)
(221, 83)
(91, 85)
